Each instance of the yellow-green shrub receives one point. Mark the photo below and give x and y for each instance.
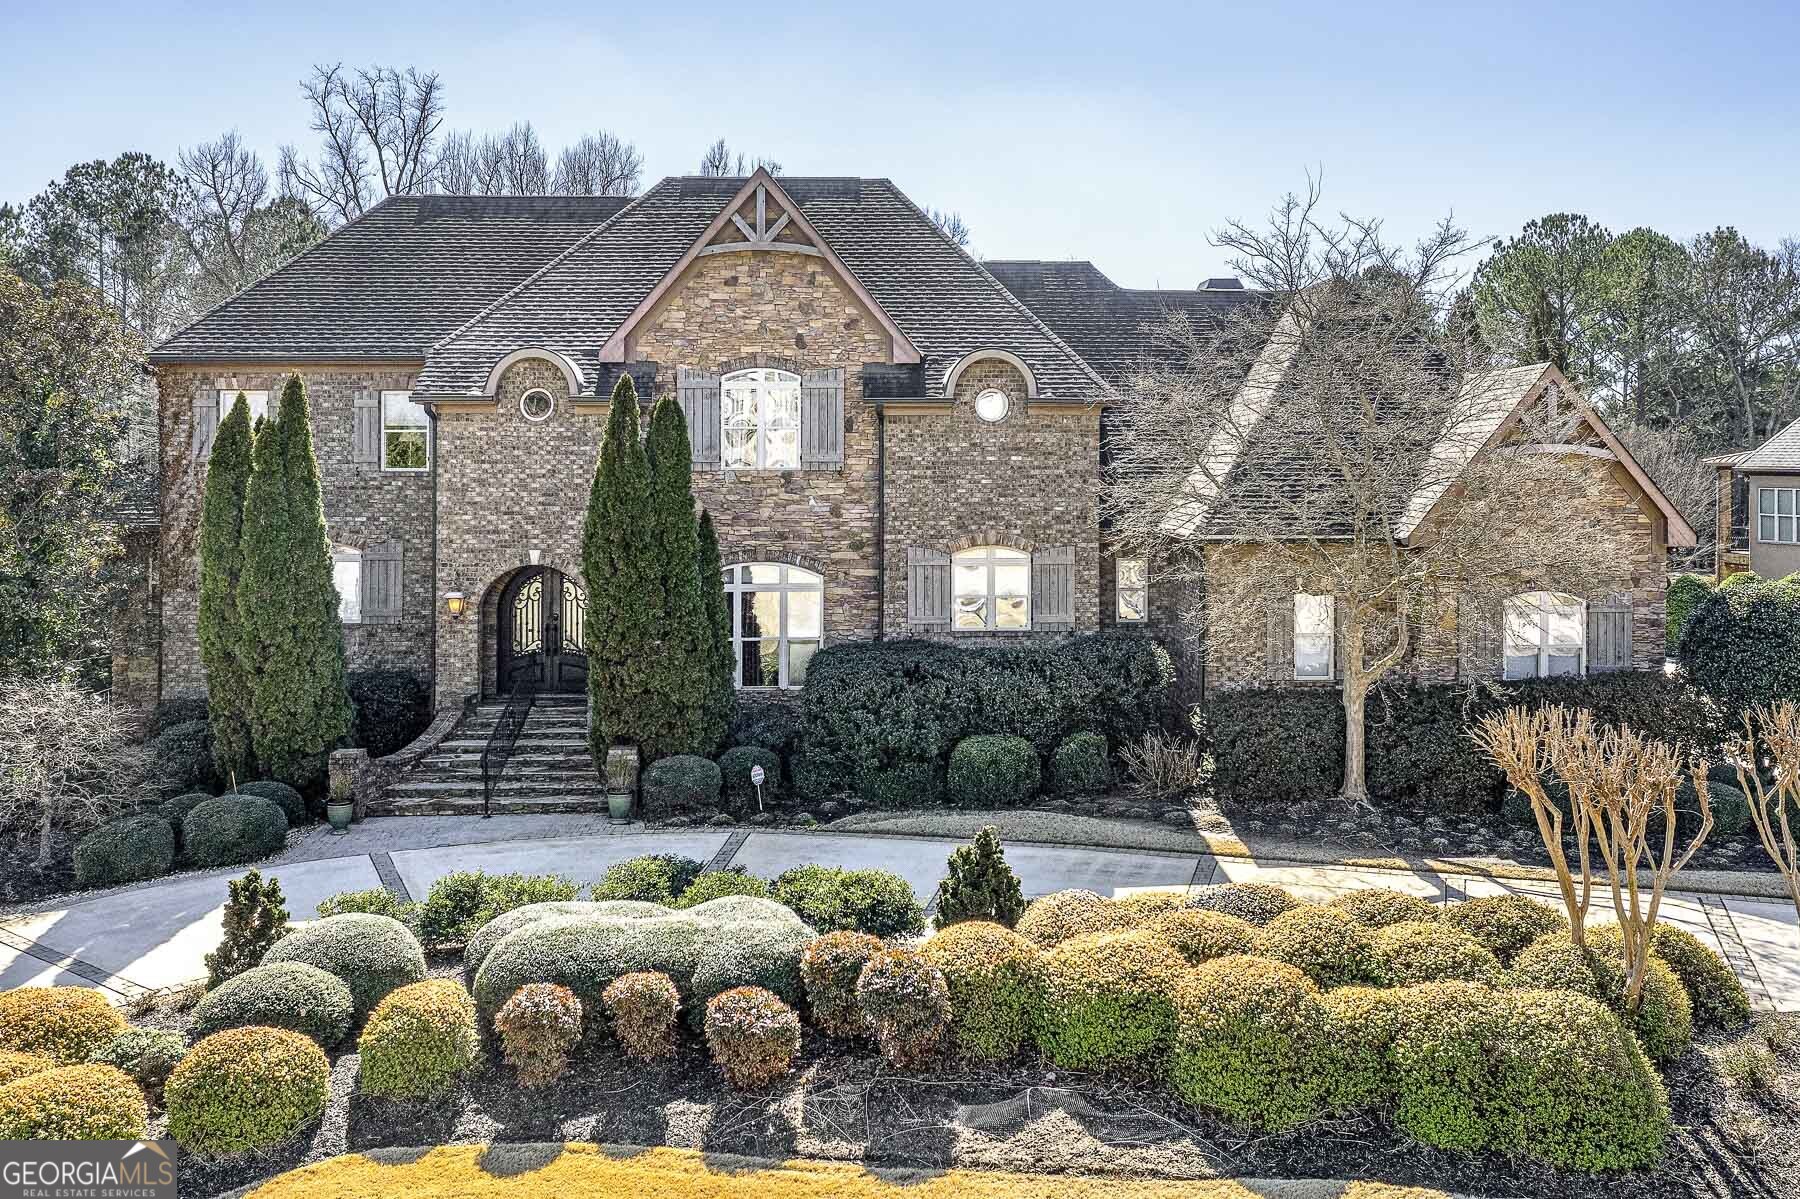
(1360, 1024)
(1664, 1021)
(1258, 903)
(1054, 918)
(1378, 907)
(1250, 1042)
(642, 1009)
(14, 1066)
(1718, 998)
(246, 1088)
(146, 1054)
(993, 977)
(1200, 936)
(1108, 1000)
(1135, 911)
(1426, 951)
(73, 1103)
(752, 1035)
(419, 1041)
(1505, 924)
(906, 1002)
(64, 1023)
(1323, 943)
(829, 968)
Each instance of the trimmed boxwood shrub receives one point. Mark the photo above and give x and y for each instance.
(65, 1024)
(1685, 593)
(905, 1001)
(246, 1089)
(1730, 809)
(1741, 644)
(993, 771)
(1323, 943)
(1505, 924)
(73, 1103)
(125, 851)
(377, 901)
(183, 753)
(497, 929)
(830, 898)
(643, 1009)
(290, 995)
(1250, 1040)
(1081, 765)
(1360, 1025)
(292, 805)
(734, 767)
(1664, 1021)
(1718, 998)
(752, 1034)
(1061, 915)
(992, 976)
(898, 785)
(766, 723)
(147, 1054)
(538, 1025)
(372, 954)
(462, 901)
(418, 1041)
(1257, 903)
(1107, 1000)
(680, 785)
(177, 709)
(1425, 951)
(232, 829)
(1379, 907)
(718, 883)
(1200, 936)
(653, 878)
(176, 810)
(14, 1065)
(388, 709)
(829, 968)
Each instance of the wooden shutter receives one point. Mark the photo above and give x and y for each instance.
(927, 588)
(206, 420)
(381, 583)
(1609, 634)
(1279, 643)
(365, 428)
(1053, 588)
(698, 392)
(822, 419)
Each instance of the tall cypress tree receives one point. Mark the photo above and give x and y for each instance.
(624, 592)
(680, 676)
(721, 691)
(221, 562)
(287, 603)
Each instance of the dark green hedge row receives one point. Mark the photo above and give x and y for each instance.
(1741, 643)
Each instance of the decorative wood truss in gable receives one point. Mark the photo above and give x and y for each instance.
(764, 236)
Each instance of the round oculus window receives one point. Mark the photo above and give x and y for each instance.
(991, 405)
(536, 405)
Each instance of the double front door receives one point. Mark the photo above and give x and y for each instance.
(542, 614)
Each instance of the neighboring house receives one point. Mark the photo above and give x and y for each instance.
(1759, 507)
(894, 439)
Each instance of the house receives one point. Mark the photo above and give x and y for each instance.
(893, 438)
(1758, 495)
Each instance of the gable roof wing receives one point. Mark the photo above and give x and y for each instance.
(1778, 455)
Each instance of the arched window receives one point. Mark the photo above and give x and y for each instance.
(760, 411)
(777, 622)
(992, 588)
(1546, 635)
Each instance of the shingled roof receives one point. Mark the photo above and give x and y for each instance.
(1779, 455)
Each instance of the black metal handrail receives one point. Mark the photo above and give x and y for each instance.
(498, 751)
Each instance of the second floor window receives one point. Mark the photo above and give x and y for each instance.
(1778, 515)
(257, 400)
(760, 412)
(346, 576)
(405, 433)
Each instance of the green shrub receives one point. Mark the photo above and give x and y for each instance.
(177, 709)
(256, 917)
(993, 980)
(898, 785)
(1250, 1040)
(1664, 1021)
(290, 995)
(232, 829)
(765, 723)
(1685, 593)
(1062, 915)
(372, 954)
(992, 771)
(1081, 765)
(73, 1103)
(829, 968)
(734, 767)
(1275, 745)
(831, 898)
(752, 1034)
(292, 805)
(65, 1024)
(538, 1025)
(1427, 951)
(654, 878)
(1360, 1026)
(184, 753)
(14, 1066)
(766, 956)
(146, 1054)
(680, 785)
(500, 927)
(1259, 903)
(419, 1041)
(642, 1010)
(246, 1089)
(1200, 936)
(125, 851)
(980, 885)
(376, 901)
(176, 810)
(1138, 909)
(1505, 924)
(716, 883)
(1107, 1000)
(905, 1002)
(461, 902)
(1730, 809)
(1718, 998)
(1741, 644)
(1323, 943)
(389, 708)
(1379, 907)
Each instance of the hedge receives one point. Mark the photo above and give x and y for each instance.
(735, 765)
(752, 1034)
(15, 1065)
(246, 1089)
(73, 1103)
(1741, 644)
(831, 898)
(1379, 907)
(125, 851)
(1258, 903)
(1326, 945)
(65, 1024)
(1107, 1000)
(1664, 1021)
(653, 878)
(1423, 951)
(716, 884)
(1250, 1038)
(419, 1041)
(500, 927)
(372, 954)
(1718, 997)
(389, 708)
(992, 771)
(1685, 593)
(232, 829)
(460, 902)
(1505, 924)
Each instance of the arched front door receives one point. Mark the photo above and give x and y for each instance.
(542, 612)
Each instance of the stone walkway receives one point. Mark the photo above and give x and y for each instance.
(156, 934)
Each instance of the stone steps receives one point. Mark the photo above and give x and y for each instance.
(550, 768)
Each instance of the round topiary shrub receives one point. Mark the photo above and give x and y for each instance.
(73, 1103)
(14, 1066)
(829, 968)
(752, 1035)
(993, 979)
(992, 771)
(65, 1024)
(1718, 998)
(642, 1010)
(903, 997)
(419, 1041)
(1250, 1042)
(538, 1026)
(125, 851)
(1730, 809)
(232, 829)
(1200, 936)
(496, 930)
(1258, 903)
(654, 878)
(292, 995)
(1323, 943)
(1379, 907)
(680, 786)
(184, 753)
(245, 1089)
(1664, 1021)
(734, 767)
(147, 1054)
(1062, 915)
(830, 898)
(292, 805)
(1135, 911)
(176, 810)
(372, 954)
(1505, 924)
(1107, 1000)
(716, 884)
(1427, 951)
(1081, 765)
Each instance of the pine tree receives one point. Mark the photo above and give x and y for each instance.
(721, 690)
(980, 886)
(679, 675)
(256, 917)
(624, 593)
(288, 604)
(221, 562)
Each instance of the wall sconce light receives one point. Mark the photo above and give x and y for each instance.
(455, 603)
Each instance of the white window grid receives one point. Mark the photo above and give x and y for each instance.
(740, 580)
(1131, 590)
(759, 414)
(1529, 625)
(1315, 635)
(1778, 515)
(979, 607)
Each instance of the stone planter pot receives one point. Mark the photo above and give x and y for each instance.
(339, 813)
(622, 764)
(618, 807)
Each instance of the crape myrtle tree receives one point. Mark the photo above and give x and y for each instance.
(1328, 438)
(721, 690)
(228, 701)
(290, 633)
(625, 599)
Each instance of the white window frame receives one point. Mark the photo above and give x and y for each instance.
(988, 557)
(791, 579)
(1539, 604)
(774, 407)
(1302, 600)
(349, 605)
(1121, 590)
(257, 399)
(404, 397)
(1772, 521)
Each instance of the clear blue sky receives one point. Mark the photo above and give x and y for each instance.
(1118, 132)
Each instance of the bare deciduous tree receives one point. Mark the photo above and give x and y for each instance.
(952, 225)
(598, 165)
(1523, 744)
(1671, 457)
(235, 234)
(718, 161)
(378, 137)
(1772, 735)
(66, 763)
